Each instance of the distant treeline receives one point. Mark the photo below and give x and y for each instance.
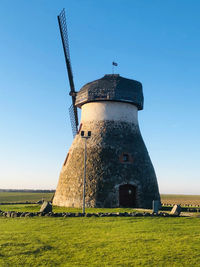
(27, 190)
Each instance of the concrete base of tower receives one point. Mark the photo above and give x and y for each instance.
(119, 172)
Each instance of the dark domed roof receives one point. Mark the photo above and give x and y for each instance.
(112, 87)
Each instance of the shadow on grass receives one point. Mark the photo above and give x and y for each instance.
(37, 251)
(8, 244)
(28, 251)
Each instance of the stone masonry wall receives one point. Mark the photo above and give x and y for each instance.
(105, 171)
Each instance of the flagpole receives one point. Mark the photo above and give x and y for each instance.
(113, 66)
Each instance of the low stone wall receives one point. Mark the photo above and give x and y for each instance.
(185, 209)
(184, 205)
(15, 214)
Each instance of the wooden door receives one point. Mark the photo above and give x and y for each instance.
(127, 196)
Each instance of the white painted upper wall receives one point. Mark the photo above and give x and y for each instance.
(108, 110)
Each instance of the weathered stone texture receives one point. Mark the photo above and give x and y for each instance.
(46, 207)
(105, 172)
(176, 210)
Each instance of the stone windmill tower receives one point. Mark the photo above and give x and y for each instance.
(119, 169)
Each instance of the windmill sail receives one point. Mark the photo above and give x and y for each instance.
(64, 36)
(72, 120)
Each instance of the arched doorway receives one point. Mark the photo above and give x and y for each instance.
(127, 195)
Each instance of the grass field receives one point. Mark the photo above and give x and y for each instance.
(23, 196)
(121, 241)
(193, 200)
(36, 208)
(137, 241)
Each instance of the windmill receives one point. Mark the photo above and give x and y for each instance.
(73, 113)
(119, 169)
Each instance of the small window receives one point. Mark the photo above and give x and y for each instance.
(66, 159)
(125, 158)
(80, 128)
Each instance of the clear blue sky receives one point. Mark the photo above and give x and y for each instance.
(155, 42)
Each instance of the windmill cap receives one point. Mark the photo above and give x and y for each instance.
(111, 87)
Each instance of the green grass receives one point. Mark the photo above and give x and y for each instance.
(36, 208)
(132, 241)
(137, 241)
(23, 196)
